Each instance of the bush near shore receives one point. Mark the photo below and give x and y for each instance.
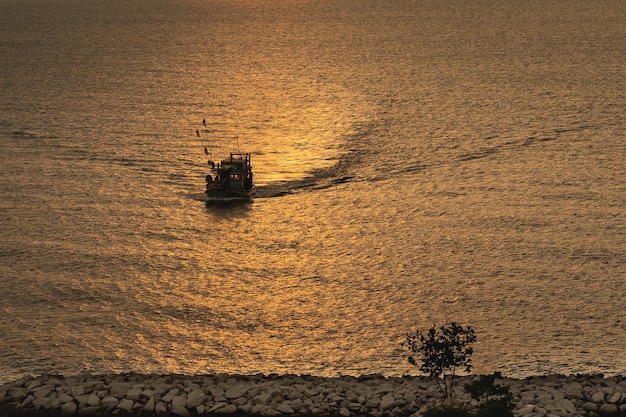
(132, 394)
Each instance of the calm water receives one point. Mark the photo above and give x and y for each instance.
(418, 162)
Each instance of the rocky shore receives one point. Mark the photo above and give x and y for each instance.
(292, 395)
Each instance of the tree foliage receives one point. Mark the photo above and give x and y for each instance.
(493, 400)
(442, 353)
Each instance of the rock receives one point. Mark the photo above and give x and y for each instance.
(195, 398)
(607, 410)
(33, 384)
(387, 402)
(160, 408)
(179, 410)
(373, 402)
(229, 409)
(543, 397)
(316, 411)
(285, 408)
(55, 403)
(245, 408)
(294, 393)
(270, 412)
(93, 400)
(77, 390)
(118, 389)
(41, 393)
(217, 406)
(263, 398)
(240, 401)
(41, 402)
(64, 398)
(310, 392)
(18, 394)
(134, 394)
(525, 410)
(88, 411)
(574, 394)
(589, 406)
(110, 402)
(334, 397)
(171, 394)
(572, 386)
(217, 393)
(160, 388)
(149, 406)
(126, 405)
(179, 401)
(258, 409)
(236, 392)
(82, 400)
(597, 397)
(68, 408)
(567, 406)
(557, 395)
(615, 398)
(354, 406)
(148, 393)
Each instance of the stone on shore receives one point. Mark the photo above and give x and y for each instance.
(235, 392)
(609, 410)
(68, 409)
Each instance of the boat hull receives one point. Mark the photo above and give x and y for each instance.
(216, 193)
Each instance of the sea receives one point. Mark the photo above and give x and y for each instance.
(418, 163)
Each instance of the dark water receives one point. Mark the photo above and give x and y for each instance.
(417, 162)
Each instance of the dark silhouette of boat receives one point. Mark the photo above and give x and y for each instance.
(231, 179)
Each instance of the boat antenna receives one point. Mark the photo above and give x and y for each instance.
(206, 150)
(204, 145)
(237, 142)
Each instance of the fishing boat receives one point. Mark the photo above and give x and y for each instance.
(231, 179)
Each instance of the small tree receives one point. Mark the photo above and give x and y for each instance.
(442, 353)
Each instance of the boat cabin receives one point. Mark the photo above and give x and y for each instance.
(235, 171)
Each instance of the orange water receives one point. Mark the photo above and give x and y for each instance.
(417, 164)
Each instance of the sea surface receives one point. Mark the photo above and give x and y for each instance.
(418, 162)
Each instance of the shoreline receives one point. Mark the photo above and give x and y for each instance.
(132, 394)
